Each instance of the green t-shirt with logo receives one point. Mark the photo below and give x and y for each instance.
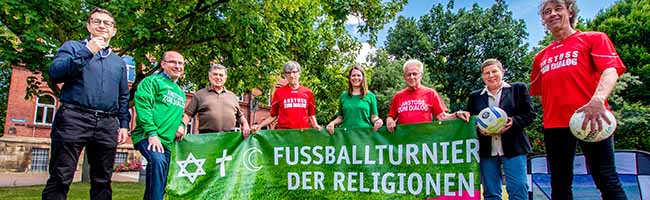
(159, 104)
(357, 110)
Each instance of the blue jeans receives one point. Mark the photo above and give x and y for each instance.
(599, 156)
(515, 171)
(156, 172)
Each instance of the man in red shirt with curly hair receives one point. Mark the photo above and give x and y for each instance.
(575, 73)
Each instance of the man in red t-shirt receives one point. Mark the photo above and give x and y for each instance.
(575, 73)
(417, 103)
(292, 105)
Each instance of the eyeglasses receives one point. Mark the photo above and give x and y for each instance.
(412, 74)
(174, 62)
(97, 22)
(292, 72)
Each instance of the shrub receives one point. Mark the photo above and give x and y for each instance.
(128, 166)
(633, 131)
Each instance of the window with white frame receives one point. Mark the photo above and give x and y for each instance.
(40, 158)
(130, 67)
(45, 108)
(120, 157)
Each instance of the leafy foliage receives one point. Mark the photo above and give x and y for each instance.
(632, 132)
(627, 22)
(252, 38)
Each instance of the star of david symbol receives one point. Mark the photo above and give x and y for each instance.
(183, 165)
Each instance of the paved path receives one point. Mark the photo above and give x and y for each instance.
(9, 179)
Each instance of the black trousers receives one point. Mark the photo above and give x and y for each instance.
(599, 157)
(72, 130)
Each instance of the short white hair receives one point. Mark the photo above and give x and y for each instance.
(413, 62)
(288, 66)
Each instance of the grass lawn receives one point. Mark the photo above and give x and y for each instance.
(121, 190)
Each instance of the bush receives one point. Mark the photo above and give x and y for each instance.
(633, 131)
(129, 166)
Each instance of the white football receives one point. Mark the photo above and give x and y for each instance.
(575, 124)
(491, 119)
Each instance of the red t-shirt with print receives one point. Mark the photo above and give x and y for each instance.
(566, 73)
(293, 107)
(416, 106)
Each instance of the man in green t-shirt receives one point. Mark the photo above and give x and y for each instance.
(159, 103)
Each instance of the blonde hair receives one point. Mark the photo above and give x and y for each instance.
(491, 61)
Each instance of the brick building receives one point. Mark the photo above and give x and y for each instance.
(26, 141)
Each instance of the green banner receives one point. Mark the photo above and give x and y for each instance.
(437, 160)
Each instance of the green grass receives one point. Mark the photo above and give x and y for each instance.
(121, 191)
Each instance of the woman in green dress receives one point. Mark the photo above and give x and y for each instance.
(357, 105)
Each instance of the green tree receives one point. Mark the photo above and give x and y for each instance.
(252, 38)
(453, 44)
(633, 131)
(627, 22)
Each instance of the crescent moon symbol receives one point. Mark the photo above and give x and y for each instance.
(247, 161)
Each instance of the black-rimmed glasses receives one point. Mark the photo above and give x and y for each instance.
(97, 22)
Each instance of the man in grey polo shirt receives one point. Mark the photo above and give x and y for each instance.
(218, 109)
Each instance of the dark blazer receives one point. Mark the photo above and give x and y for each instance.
(516, 102)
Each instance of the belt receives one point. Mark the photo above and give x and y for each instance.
(96, 113)
(201, 131)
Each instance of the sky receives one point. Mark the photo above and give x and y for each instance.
(521, 9)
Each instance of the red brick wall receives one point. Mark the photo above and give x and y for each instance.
(19, 109)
